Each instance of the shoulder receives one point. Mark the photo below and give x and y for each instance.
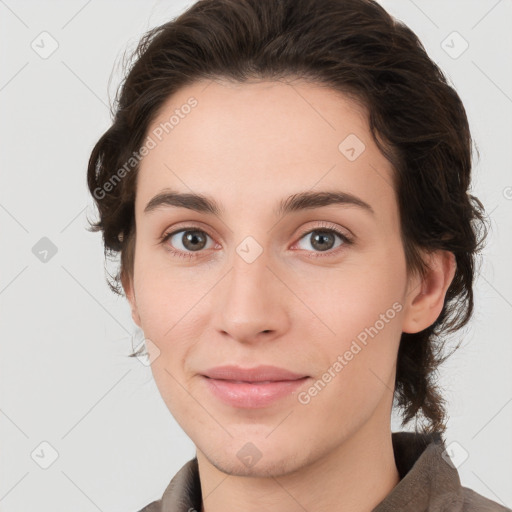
(183, 493)
(154, 506)
(474, 502)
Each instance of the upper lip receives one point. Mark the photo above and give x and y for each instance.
(256, 374)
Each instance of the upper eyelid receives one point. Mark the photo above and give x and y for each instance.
(197, 224)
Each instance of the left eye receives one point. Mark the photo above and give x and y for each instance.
(324, 239)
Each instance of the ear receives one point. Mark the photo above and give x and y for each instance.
(127, 283)
(425, 296)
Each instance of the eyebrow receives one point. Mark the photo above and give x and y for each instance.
(294, 203)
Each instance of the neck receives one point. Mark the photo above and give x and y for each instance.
(354, 477)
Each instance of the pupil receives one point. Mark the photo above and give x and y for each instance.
(192, 237)
(323, 237)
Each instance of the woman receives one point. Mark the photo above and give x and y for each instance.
(260, 131)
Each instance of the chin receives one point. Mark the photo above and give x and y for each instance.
(262, 469)
(249, 461)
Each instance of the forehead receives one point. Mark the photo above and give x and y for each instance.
(260, 140)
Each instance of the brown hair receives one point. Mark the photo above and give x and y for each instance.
(353, 46)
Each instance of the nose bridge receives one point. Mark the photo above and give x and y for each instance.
(249, 280)
(250, 301)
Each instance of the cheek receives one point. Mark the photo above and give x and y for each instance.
(363, 343)
(162, 292)
(169, 303)
(362, 307)
(364, 313)
(356, 297)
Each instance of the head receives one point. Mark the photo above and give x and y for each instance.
(241, 106)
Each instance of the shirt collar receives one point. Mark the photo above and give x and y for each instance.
(428, 479)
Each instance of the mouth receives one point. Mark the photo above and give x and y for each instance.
(257, 374)
(253, 395)
(252, 382)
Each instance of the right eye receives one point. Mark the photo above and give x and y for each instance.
(190, 238)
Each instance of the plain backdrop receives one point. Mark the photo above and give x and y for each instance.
(70, 398)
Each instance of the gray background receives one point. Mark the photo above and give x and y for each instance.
(65, 377)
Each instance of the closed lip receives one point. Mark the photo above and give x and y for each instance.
(263, 373)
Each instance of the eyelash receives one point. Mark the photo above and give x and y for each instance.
(323, 228)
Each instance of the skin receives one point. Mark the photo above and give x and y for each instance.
(248, 146)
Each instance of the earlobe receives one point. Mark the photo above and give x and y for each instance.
(425, 300)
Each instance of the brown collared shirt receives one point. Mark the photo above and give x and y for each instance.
(429, 482)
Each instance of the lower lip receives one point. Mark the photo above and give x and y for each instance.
(252, 396)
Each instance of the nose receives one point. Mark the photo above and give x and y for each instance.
(252, 303)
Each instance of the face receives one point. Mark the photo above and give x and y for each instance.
(320, 291)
